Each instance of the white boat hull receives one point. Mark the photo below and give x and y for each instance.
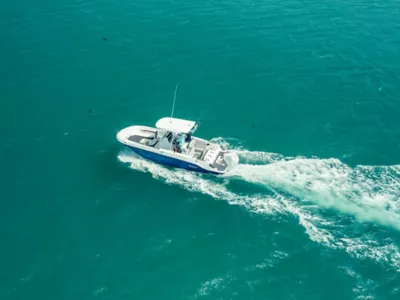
(199, 155)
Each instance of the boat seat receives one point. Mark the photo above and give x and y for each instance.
(144, 141)
(191, 144)
(147, 133)
(200, 145)
(153, 142)
(135, 138)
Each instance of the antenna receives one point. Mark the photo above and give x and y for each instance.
(173, 103)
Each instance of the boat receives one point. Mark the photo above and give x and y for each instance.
(171, 143)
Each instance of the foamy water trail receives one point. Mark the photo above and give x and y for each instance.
(198, 183)
(370, 194)
(305, 188)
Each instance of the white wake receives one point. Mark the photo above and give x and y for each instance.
(370, 194)
(310, 190)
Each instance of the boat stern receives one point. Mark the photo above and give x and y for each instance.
(231, 159)
(221, 161)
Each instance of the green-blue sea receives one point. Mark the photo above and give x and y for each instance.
(307, 93)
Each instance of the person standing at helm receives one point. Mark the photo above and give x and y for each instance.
(179, 142)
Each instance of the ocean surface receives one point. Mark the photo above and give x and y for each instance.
(307, 93)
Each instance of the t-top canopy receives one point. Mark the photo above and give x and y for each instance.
(176, 125)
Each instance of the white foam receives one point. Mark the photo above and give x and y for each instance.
(209, 286)
(305, 188)
(331, 184)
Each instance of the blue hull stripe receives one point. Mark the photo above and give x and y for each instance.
(169, 161)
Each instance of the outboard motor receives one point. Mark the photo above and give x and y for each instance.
(231, 159)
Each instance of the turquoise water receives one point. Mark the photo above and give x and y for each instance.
(307, 93)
